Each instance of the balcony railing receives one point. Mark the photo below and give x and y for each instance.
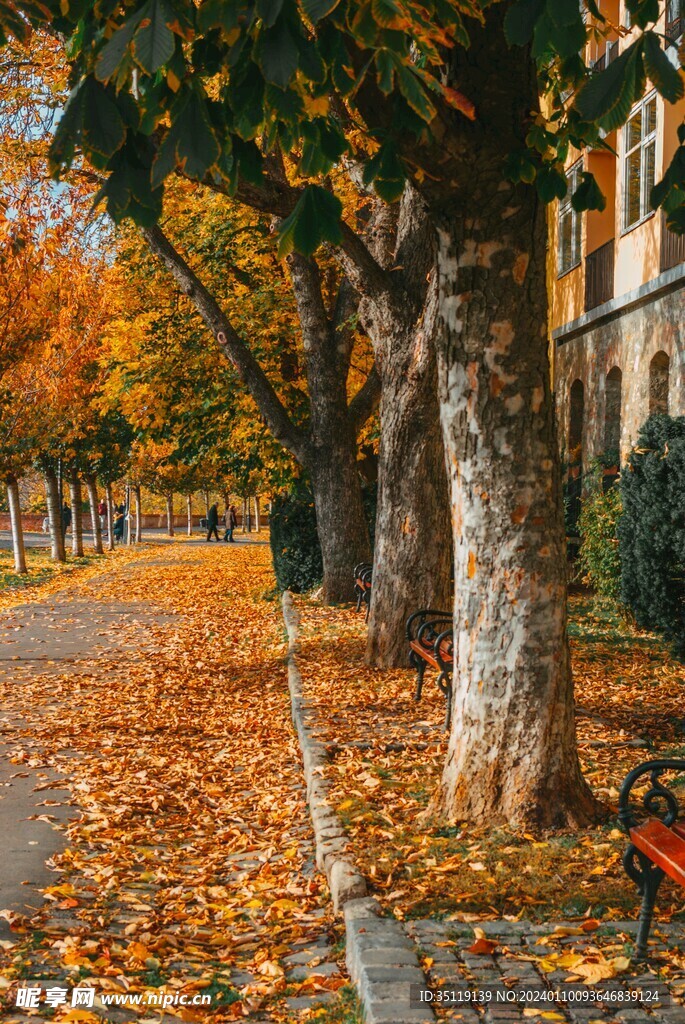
(599, 276)
(610, 54)
(672, 247)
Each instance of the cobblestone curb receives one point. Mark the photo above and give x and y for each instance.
(332, 844)
(381, 958)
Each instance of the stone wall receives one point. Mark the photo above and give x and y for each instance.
(628, 347)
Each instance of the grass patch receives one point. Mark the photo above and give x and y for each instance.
(344, 1009)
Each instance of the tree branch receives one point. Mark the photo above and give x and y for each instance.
(233, 346)
(365, 402)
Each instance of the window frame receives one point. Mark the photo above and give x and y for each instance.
(572, 178)
(643, 145)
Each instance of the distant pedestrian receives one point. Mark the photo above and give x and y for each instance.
(213, 522)
(66, 518)
(231, 521)
(102, 513)
(118, 526)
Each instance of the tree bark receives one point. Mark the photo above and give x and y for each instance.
(170, 515)
(110, 516)
(189, 506)
(15, 522)
(412, 550)
(91, 486)
(75, 500)
(243, 525)
(139, 514)
(512, 749)
(54, 515)
(256, 513)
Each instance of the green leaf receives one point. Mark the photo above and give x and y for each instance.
(197, 148)
(551, 183)
(318, 9)
(112, 54)
(520, 20)
(315, 219)
(103, 131)
(594, 10)
(217, 14)
(564, 12)
(68, 131)
(278, 54)
(385, 12)
(268, 11)
(588, 195)
(414, 93)
(154, 42)
(607, 97)
(666, 79)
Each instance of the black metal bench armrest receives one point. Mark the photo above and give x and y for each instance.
(658, 801)
(358, 569)
(445, 666)
(428, 630)
(435, 614)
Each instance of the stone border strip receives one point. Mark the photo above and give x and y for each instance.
(381, 959)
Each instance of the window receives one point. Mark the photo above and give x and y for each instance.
(674, 19)
(659, 373)
(639, 162)
(569, 224)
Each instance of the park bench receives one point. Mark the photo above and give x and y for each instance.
(657, 842)
(362, 586)
(431, 645)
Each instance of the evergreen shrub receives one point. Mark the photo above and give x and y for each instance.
(652, 529)
(600, 560)
(295, 548)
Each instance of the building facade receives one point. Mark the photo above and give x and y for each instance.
(617, 277)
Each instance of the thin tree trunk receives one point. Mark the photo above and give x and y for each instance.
(170, 515)
(206, 497)
(75, 500)
(15, 522)
(512, 750)
(139, 514)
(54, 515)
(127, 520)
(243, 528)
(91, 485)
(110, 517)
(189, 503)
(256, 513)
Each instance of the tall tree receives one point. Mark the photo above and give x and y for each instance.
(428, 84)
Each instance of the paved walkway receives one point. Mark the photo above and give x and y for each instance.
(145, 715)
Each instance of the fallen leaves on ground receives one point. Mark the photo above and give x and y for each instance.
(189, 865)
(386, 754)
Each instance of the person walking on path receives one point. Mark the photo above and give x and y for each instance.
(66, 518)
(213, 522)
(231, 521)
(102, 512)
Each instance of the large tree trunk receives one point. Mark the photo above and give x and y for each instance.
(110, 516)
(170, 515)
(75, 500)
(139, 514)
(54, 515)
(412, 550)
(15, 522)
(92, 487)
(512, 749)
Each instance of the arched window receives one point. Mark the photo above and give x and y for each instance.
(612, 411)
(576, 416)
(658, 383)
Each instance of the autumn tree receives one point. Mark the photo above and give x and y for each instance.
(448, 94)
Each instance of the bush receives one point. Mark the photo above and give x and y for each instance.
(652, 529)
(600, 560)
(295, 547)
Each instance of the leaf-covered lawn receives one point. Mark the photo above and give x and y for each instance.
(387, 754)
(192, 857)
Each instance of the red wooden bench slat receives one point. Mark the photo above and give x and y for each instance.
(679, 829)
(663, 847)
(424, 652)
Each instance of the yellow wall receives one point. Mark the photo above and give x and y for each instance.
(637, 251)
